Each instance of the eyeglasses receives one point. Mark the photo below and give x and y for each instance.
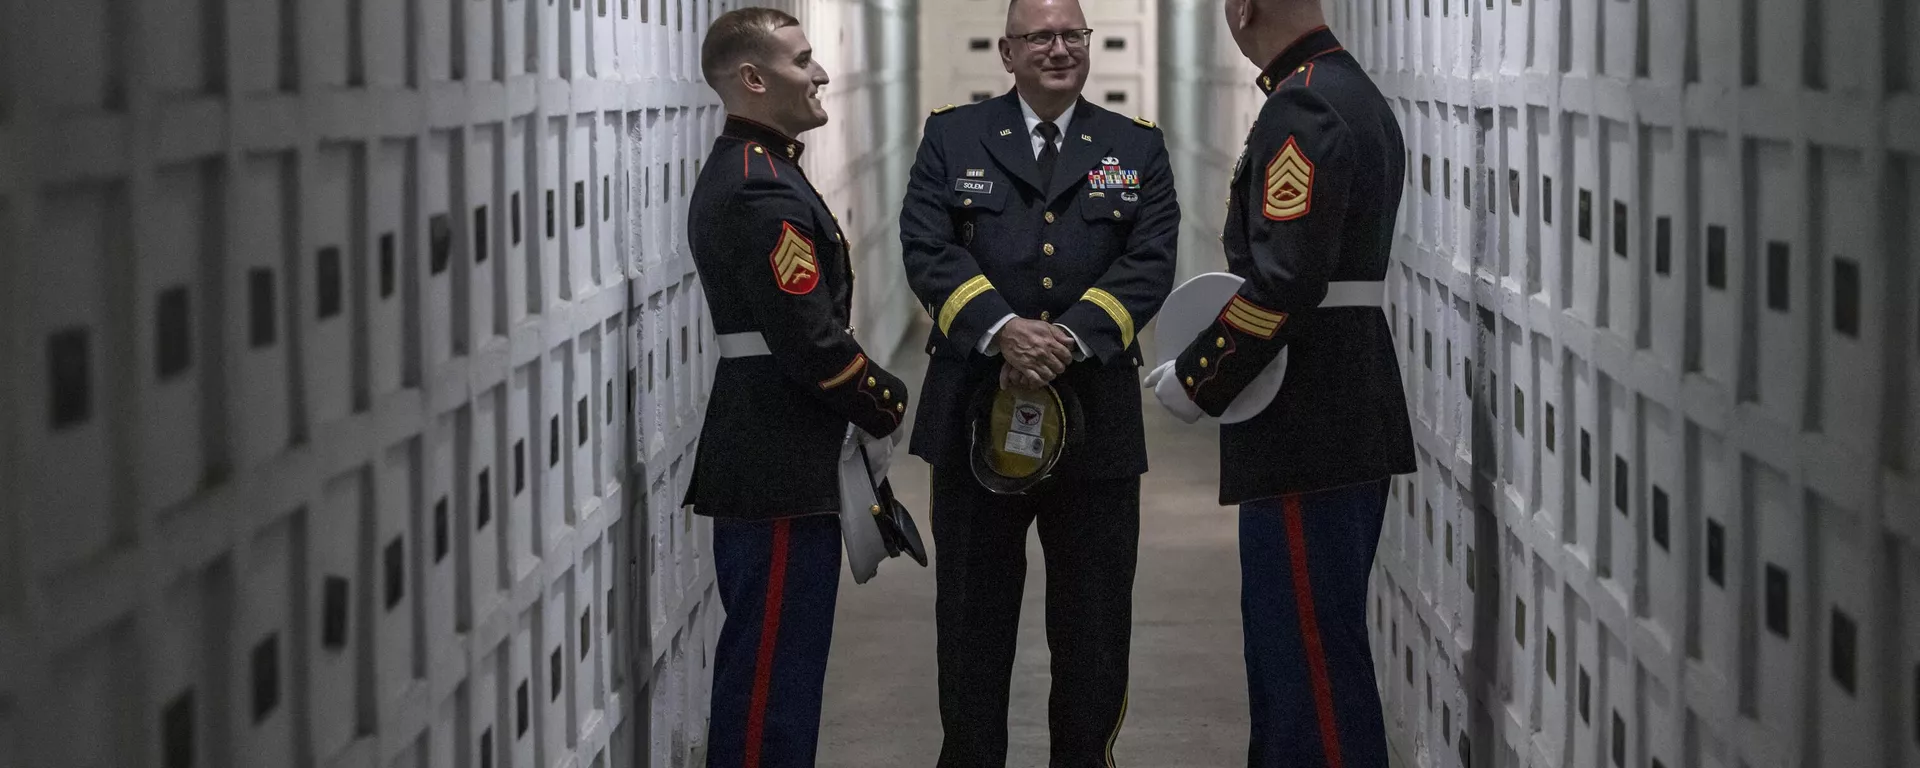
(1042, 40)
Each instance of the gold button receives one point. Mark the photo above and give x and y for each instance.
(1302, 68)
(758, 151)
(901, 408)
(1045, 316)
(1047, 249)
(1203, 362)
(886, 394)
(1116, 214)
(874, 509)
(1049, 217)
(1189, 381)
(1220, 343)
(968, 201)
(1046, 282)
(872, 382)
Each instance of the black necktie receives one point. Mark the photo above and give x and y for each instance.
(1048, 153)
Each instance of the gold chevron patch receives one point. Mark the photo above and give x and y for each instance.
(794, 267)
(1289, 184)
(1252, 319)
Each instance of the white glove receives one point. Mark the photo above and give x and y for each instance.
(1154, 376)
(1173, 397)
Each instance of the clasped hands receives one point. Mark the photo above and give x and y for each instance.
(1035, 351)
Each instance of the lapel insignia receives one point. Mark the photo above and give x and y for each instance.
(975, 173)
(1112, 176)
(794, 267)
(1006, 131)
(1289, 184)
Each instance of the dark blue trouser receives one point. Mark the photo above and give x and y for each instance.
(1090, 536)
(778, 581)
(1304, 564)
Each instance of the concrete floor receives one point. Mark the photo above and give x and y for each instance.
(1188, 693)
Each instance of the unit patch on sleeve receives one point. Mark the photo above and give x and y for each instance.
(1289, 184)
(794, 267)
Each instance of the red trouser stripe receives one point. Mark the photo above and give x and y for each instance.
(1310, 633)
(769, 633)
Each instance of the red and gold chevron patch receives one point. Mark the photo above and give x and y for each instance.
(794, 267)
(1289, 184)
(1252, 319)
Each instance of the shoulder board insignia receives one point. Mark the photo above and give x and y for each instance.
(752, 152)
(1143, 122)
(943, 109)
(794, 267)
(1289, 184)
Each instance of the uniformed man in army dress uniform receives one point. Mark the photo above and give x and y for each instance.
(775, 268)
(1310, 226)
(1039, 234)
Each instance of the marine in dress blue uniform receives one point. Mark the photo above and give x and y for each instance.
(773, 263)
(1091, 249)
(1313, 202)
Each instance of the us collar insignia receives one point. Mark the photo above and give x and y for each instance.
(1086, 138)
(1112, 176)
(976, 173)
(1006, 131)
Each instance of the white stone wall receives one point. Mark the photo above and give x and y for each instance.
(1655, 281)
(356, 362)
(961, 41)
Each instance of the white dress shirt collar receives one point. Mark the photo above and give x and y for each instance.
(1033, 123)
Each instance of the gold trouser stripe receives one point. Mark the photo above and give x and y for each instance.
(1115, 310)
(1115, 736)
(956, 301)
(845, 375)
